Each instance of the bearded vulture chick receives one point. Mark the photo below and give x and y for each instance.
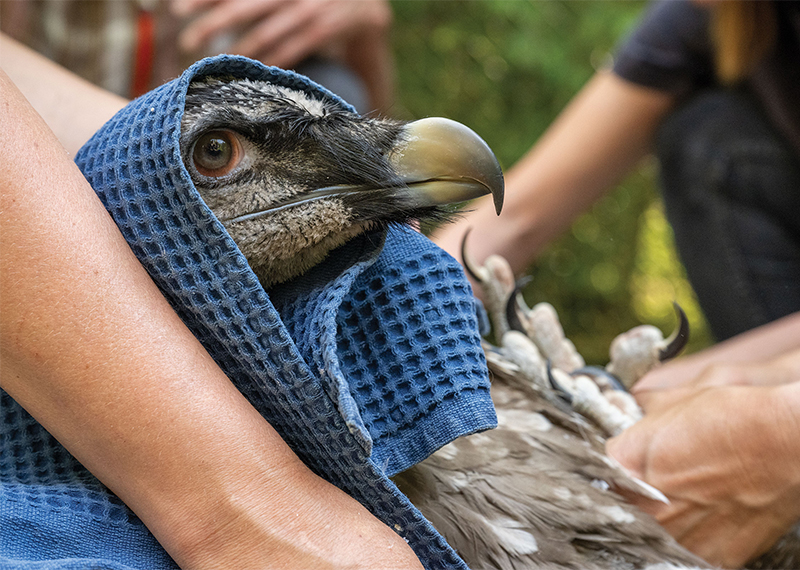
(292, 178)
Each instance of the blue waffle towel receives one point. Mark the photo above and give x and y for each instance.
(365, 365)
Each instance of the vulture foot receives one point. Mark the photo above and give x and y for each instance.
(538, 491)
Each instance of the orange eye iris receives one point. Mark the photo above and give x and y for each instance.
(216, 153)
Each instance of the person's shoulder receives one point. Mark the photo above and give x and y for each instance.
(680, 13)
(674, 24)
(669, 49)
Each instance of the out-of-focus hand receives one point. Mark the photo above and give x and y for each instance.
(281, 32)
(728, 459)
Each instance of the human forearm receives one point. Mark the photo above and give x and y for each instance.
(93, 351)
(73, 108)
(598, 138)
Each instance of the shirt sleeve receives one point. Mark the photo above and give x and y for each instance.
(669, 50)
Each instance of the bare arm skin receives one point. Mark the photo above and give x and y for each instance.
(73, 108)
(94, 352)
(595, 141)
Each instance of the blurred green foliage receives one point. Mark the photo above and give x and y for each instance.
(506, 68)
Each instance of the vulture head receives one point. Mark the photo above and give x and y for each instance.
(292, 177)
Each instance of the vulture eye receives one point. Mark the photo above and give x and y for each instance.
(216, 153)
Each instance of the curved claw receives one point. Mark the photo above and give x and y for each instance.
(595, 371)
(469, 263)
(561, 392)
(513, 306)
(678, 339)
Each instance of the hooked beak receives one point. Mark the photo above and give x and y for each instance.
(444, 162)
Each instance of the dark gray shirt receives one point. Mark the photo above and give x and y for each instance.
(671, 51)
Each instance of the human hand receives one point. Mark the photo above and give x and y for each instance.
(737, 359)
(727, 458)
(660, 393)
(281, 32)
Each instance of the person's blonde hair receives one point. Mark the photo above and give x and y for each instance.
(742, 31)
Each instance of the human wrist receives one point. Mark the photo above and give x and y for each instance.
(325, 529)
(270, 511)
(234, 518)
(233, 502)
(242, 521)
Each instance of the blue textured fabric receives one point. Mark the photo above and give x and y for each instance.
(365, 365)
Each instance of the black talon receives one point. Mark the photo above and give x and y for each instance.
(595, 371)
(465, 259)
(513, 308)
(679, 338)
(561, 392)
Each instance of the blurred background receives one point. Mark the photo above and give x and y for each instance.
(506, 68)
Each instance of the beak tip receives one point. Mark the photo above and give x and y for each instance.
(498, 194)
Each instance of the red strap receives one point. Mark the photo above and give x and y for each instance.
(145, 47)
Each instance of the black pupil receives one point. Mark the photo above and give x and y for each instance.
(213, 151)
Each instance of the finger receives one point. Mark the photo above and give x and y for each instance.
(645, 504)
(266, 37)
(224, 17)
(183, 8)
(312, 27)
(653, 400)
(629, 450)
(682, 518)
(295, 48)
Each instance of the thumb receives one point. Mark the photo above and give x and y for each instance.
(625, 449)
